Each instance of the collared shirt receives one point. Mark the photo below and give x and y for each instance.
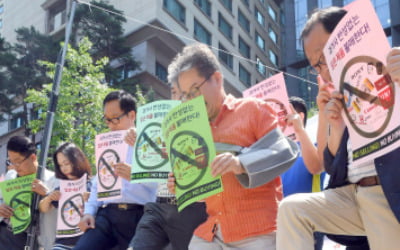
(10, 175)
(356, 173)
(240, 212)
(47, 221)
(133, 193)
(163, 191)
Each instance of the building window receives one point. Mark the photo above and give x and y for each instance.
(227, 4)
(246, 2)
(244, 48)
(1, 23)
(261, 67)
(224, 26)
(201, 34)
(260, 18)
(16, 121)
(1, 8)
(175, 9)
(226, 58)
(57, 16)
(273, 57)
(124, 72)
(272, 35)
(243, 21)
(260, 41)
(205, 6)
(35, 113)
(244, 75)
(161, 72)
(272, 13)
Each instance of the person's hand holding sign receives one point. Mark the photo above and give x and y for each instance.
(39, 188)
(171, 183)
(393, 64)
(6, 211)
(55, 195)
(87, 222)
(225, 163)
(122, 170)
(324, 93)
(333, 111)
(333, 114)
(130, 137)
(294, 119)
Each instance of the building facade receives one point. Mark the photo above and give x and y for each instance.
(296, 15)
(244, 34)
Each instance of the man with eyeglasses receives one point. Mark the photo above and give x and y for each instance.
(162, 226)
(361, 200)
(22, 157)
(112, 223)
(243, 216)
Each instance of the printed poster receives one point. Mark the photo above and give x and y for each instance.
(273, 91)
(71, 207)
(151, 158)
(191, 150)
(110, 149)
(17, 193)
(359, 73)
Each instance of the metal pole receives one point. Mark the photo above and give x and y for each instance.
(31, 242)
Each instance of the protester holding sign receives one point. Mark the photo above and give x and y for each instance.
(70, 163)
(367, 205)
(162, 225)
(113, 222)
(239, 217)
(22, 155)
(305, 175)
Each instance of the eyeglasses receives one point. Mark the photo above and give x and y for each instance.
(193, 91)
(114, 120)
(9, 163)
(316, 68)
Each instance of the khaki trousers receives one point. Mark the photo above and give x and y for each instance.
(261, 242)
(348, 210)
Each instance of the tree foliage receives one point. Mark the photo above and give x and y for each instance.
(19, 68)
(7, 60)
(105, 31)
(79, 113)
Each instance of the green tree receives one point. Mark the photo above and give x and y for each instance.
(20, 70)
(105, 31)
(79, 113)
(7, 60)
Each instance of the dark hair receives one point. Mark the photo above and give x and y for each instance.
(22, 145)
(328, 17)
(127, 102)
(198, 56)
(80, 164)
(300, 106)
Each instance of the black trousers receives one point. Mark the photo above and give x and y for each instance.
(113, 228)
(11, 241)
(162, 224)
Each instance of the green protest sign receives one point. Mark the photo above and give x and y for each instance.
(17, 194)
(151, 160)
(191, 150)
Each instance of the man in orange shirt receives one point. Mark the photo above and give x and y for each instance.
(239, 217)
